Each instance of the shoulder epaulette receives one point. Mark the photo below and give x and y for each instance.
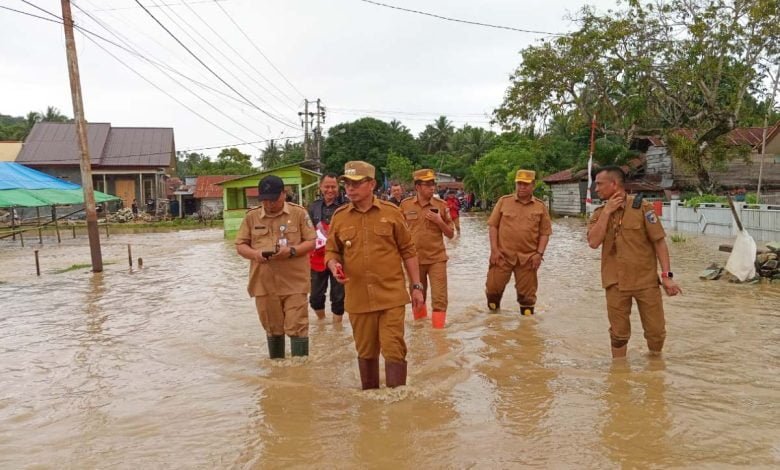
(341, 208)
(296, 205)
(407, 198)
(387, 203)
(504, 197)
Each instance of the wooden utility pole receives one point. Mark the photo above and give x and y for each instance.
(81, 133)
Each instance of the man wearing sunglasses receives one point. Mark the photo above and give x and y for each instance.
(367, 244)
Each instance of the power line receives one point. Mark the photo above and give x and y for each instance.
(208, 25)
(258, 49)
(410, 113)
(229, 70)
(474, 23)
(157, 87)
(155, 6)
(211, 70)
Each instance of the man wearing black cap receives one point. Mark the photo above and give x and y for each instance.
(275, 238)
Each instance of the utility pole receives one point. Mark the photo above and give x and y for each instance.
(305, 116)
(318, 132)
(81, 132)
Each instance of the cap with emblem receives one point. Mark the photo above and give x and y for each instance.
(425, 174)
(357, 170)
(525, 176)
(270, 188)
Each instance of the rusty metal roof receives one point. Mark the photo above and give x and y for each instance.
(208, 186)
(53, 143)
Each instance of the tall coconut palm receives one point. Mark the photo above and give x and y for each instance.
(53, 114)
(437, 136)
(271, 155)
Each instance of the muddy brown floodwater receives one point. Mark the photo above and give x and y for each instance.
(166, 367)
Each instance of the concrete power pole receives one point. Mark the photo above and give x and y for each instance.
(318, 132)
(81, 132)
(305, 116)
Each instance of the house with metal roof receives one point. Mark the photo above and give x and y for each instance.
(131, 162)
(9, 150)
(240, 194)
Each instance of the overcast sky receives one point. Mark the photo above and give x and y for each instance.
(359, 58)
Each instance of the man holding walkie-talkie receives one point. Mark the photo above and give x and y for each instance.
(276, 238)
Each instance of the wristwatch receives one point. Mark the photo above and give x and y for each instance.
(668, 274)
(293, 252)
(417, 286)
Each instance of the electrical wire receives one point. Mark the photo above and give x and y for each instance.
(240, 29)
(212, 71)
(474, 23)
(215, 59)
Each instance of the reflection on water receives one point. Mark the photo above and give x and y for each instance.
(166, 366)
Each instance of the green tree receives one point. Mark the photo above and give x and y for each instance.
(437, 137)
(399, 168)
(472, 142)
(493, 175)
(366, 139)
(53, 114)
(652, 68)
(231, 161)
(271, 156)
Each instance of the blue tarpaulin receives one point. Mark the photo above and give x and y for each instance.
(21, 186)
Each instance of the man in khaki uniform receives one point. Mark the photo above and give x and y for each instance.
(520, 229)
(632, 238)
(428, 219)
(366, 245)
(276, 238)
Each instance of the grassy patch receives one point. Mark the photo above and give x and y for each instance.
(678, 238)
(76, 267)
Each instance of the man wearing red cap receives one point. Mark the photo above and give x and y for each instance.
(520, 229)
(275, 238)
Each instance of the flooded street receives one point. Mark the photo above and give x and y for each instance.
(166, 367)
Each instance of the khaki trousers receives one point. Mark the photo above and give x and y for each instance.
(435, 276)
(283, 314)
(456, 222)
(526, 282)
(651, 312)
(380, 331)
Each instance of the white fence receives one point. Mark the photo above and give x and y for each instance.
(761, 221)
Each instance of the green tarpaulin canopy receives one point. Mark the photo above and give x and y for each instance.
(47, 197)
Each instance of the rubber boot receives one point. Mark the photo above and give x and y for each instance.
(526, 311)
(438, 319)
(493, 302)
(299, 345)
(276, 347)
(395, 374)
(369, 373)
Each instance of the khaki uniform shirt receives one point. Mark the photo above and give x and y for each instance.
(427, 236)
(519, 226)
(371, 246)
(628, 256)
(263, 232)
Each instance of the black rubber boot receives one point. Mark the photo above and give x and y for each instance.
(369, 373)
(526, 311)
(276, 347)
(299, 346)
(395, 374)
(493, 303)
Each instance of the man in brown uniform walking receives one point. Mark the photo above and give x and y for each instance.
(276, 238)
(632, 238)
(520, 229)
(428, 219)
(367, 243)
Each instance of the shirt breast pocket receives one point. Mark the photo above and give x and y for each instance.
(293, 234)
(347, 237)
(632, 224)
(411, 215)
(383, 230)
(261, 236)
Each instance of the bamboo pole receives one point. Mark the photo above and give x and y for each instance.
(129, 255)
(37, 264)
(56, 223)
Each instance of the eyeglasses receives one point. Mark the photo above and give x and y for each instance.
(354, 184)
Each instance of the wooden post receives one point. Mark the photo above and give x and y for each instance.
(129, 255)
(38, 223)
(73, 228)
(107, 234)
(13, 223)
(140, 263)
(56, 223)
(81, 134)
(37, 264)
(21, 237)
(734, 213)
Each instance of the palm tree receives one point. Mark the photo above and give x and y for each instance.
(397, 126)
(271, 156)
(53, 114)
(437, 136)
(473, 142)
(31, 119)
